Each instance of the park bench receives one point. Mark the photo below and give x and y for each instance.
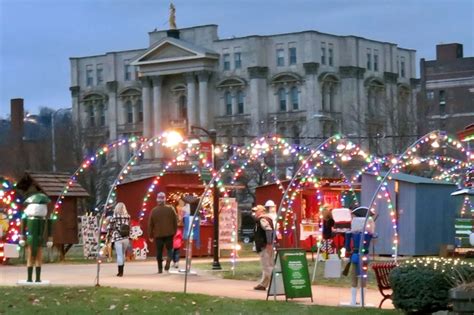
(382, 272)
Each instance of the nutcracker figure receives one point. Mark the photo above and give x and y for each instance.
(35, 227)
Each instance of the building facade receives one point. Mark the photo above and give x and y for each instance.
(299, 85)
(447, 90)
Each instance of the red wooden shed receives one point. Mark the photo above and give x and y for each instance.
(132, 193)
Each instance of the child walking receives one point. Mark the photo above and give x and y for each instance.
(177, 243)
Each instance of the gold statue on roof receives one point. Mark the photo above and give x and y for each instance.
(172, 17)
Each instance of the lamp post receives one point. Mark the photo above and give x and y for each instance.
(53, 139)
(212, 135)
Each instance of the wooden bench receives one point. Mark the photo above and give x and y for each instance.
(382, 272)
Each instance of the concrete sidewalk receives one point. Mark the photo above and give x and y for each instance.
(142, 275)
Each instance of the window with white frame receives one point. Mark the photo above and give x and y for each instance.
(369, 59)
(323, 53)
(228, 103)
(129, 112)
(402, 67)
(282, 99)
(89, 75)
(182, 107)
(376, 60)
(99, 73)
(101, 115)
(237, 60)
(294, 98)
(331, 54)
(240, 102)
(430, 95)
(292, 54)
(127, 68)
(226, 61)
(91, 115)
(140, 110)
(280, 57)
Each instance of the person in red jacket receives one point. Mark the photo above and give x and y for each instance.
(177, 243)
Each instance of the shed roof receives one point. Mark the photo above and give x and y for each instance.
(52, 184)
(413, 179)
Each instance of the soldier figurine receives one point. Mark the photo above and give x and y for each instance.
(35, 225)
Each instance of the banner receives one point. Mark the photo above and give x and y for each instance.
(228, 223)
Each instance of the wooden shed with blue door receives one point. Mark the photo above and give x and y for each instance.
(425, 212)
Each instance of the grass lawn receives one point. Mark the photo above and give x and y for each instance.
(250, 270)
(87, 300)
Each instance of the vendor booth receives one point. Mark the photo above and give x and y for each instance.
(65, 228)
(306, 207)
(174, 185)
(425, 213)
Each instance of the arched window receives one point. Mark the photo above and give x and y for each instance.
(282, 99)
(101, 115)
(140, 110)
(294, 98)
(375, 98)
(182, 108)
(91, 115)
(240, 102)
(228, 103)
(129, 112)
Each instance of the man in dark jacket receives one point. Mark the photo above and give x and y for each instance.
(264, 244)
(162, 226)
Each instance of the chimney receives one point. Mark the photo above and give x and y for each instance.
(17, 113)
(447, 52)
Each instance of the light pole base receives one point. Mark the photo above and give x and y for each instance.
(216, 265)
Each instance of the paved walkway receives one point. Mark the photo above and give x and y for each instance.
(142, 275)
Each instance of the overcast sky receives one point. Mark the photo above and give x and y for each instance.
(37, 37)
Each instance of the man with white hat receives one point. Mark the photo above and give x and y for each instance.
(263, 238)
(162, 226)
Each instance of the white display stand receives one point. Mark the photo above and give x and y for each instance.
(11, 250)
(333, 267)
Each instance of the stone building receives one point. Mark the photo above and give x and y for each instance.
(300, 85)
(447, 90)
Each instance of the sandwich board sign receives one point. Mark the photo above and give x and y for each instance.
(290, 276)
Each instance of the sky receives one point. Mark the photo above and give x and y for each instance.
(37, 37)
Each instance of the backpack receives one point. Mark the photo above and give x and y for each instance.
(124, 230)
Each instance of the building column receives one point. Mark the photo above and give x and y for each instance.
(147, 113)
(157, 113)
(258, 105)
(112, 115)
(203, 77)
(191, 100)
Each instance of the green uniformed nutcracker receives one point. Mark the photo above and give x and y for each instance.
(35, 226)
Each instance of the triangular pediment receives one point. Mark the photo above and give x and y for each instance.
(167, 51)
(172, 49)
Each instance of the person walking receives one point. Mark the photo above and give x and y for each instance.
(119, 234)
(162, 226)
(264, 244)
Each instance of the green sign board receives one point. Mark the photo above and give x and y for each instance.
(206, 175)
(295, 273)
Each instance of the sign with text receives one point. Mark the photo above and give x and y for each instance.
(228, 223)
(295, 273)
(90, 236)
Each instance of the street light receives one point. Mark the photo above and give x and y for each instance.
(212, 135)
(53, 139)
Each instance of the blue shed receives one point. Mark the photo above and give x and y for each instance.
(425, 210)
